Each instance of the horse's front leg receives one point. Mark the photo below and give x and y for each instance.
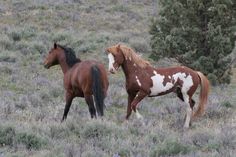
(69, 98)
(129, 109)
(139, 96)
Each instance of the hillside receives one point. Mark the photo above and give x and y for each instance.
(32, 97)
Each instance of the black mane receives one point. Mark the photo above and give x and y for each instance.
(70, 56)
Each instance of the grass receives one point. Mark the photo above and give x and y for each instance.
(32, 98)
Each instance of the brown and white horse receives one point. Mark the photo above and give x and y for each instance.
(143, 80)
(86, 79)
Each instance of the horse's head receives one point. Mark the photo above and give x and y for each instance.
(52, 57)
(116, 57)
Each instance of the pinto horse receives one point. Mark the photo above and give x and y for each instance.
(143, 80)
(86, 79)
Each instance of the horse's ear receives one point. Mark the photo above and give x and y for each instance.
(55, 45)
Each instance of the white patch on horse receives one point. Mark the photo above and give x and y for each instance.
(187, 81)
(111, 62)
(158, 86)
(169, 77)
(139, 83)
(187, 84)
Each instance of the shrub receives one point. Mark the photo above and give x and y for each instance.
(227, 104)
(7, 56)
(39, 47)
(31, 141)
(7, 135)
(139, 44)
(5, 70)
(120, 8)
(25, 33)
(200, 41)
(169, 148)
(96, 130)
(6, 43)
(58, 132)
(123, 152)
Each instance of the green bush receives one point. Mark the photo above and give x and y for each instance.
(58, 132)
(201, 41)
(6, 43)
(169, 148)
(7, 56)
(31, 141)
(227, 104)
(25, 33)
(123, 152)
(96, 131)
(7, 136)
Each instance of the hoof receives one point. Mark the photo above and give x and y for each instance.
(138, 115)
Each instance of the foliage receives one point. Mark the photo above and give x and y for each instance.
(169, 148)
(30, 141)
(199, 34)
(9, 136)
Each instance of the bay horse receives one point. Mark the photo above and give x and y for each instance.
(86, 79)
(143, 80)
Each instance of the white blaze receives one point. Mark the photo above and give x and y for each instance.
(111, 62)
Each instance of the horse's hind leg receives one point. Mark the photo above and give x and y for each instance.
(180, 95)
(90, 102)
(189, 109)
(69, 99)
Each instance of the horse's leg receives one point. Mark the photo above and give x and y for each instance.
(129, 109)
(179, 93)
(69, 99)
(90, 102)
(189, 110)
(139, 96)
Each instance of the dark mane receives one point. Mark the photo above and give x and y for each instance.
(70, 56)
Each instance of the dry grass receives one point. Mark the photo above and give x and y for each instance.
(32, 102)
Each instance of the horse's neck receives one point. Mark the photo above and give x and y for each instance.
(130, 68)
(64, 66)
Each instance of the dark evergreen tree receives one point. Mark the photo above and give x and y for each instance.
(198, 33)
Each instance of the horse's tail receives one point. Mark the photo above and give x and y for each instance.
(204, 92)
(97, 90)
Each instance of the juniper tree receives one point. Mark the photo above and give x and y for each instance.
(198, 33)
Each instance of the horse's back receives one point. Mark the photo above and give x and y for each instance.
(81, 75)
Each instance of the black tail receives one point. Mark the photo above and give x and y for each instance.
(97, 90)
